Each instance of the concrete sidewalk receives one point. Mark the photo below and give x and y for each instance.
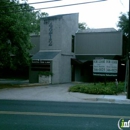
(13, 81)
(57, 92)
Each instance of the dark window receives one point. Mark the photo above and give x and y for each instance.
(72, 43)
(40, 66)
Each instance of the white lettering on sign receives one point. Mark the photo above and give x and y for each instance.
(105, 66)
(43, 61)
(35, 61)
(99, 65)
(111, 66)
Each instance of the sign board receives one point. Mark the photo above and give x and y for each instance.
(40, 61)
(35, 61)
(99, 66)
(41, 65)
(111, 66)
(108, 75)
(104, 66)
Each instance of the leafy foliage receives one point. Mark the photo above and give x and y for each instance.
(123, 23)
(45, 73)
(99, 88)
(82, 26)
(17, 22)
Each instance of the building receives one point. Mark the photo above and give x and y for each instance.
(68, 52)
(55, 48)
(90, 44)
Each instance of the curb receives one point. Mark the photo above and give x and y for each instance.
(108, 100)
(100, 99)
(33, 84)
(122, 101)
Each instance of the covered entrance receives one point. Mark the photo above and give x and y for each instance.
(42, 66)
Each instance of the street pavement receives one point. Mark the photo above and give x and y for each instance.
(56, 92)
(49, 115)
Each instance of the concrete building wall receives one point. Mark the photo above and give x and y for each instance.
(56, 34)
(51, 33)
(65, 69)
(35, 40)
(103, 43)
(69, 27)
(58, 30)
(56, 69)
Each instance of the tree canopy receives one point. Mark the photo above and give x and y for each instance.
(82, 26)
(123, 23)
(17, 22)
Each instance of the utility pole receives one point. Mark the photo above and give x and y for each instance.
(128, 87)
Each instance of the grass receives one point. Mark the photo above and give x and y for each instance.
(9, 85)
(99, 88)
(2, 86)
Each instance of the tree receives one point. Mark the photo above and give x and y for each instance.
(82, 26)
(123, 23)
(38, 17)
(17, 22)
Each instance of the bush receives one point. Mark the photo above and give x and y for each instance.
(99, 88)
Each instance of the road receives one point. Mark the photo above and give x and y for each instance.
(41, 115)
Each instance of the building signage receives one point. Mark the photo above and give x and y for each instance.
(40, 65)
(41, 61)
(35, 61)
(104, 66)
(99, 66)
(45, 62)
(111, 66)
(50, 34)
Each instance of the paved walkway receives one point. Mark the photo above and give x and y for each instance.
(57, 92)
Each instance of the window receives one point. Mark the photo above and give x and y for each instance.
(72, 43)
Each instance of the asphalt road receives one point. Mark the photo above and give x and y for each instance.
(39, 115)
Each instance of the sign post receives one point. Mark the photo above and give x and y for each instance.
(128, 87)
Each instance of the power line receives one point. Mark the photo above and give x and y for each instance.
(70, 4)
(43, 2)
(58, 6)
(31, 3)
(123, 5)
(121, 2)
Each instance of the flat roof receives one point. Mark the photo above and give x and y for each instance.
(97, 30)
(45, 55)
(57, 16)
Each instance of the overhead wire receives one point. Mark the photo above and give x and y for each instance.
(31, 3)
(44, 2)
(59, 5)
(71, 4)
(121, 2)
(123, 5)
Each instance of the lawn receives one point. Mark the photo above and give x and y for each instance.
(99, 88)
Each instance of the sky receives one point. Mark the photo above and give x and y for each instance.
(96, 15)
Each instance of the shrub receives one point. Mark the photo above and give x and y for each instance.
(99, 88)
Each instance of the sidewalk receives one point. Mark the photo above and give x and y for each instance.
(13, 81)
(57, 92)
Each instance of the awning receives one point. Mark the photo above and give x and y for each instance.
(45, 55)
(91, 57)
(77, 61)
